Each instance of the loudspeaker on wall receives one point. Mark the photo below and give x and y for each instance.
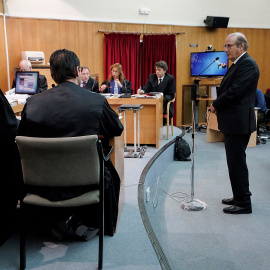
(216, 22)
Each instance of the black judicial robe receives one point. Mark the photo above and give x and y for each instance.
(9, 166)
(92, 85)
(124, 90)
(167, 87)
(69, 110)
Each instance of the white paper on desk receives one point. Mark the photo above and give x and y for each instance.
(21, 98)
(11, 91)
(21, 101)
(145, 96)
(213, 92)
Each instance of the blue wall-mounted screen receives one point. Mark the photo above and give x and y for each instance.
(200, 60)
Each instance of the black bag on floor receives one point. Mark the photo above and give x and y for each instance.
(181, 150)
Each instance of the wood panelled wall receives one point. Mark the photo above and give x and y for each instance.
(3, 60)
(84, 39)
(1, 6)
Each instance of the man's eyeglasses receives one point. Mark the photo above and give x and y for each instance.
(229, 46)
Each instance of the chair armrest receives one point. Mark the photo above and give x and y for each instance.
(101, 152)
(168, 104)
(107, 157)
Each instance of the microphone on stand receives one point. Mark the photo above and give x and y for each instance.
(206, 68)
(126, 95)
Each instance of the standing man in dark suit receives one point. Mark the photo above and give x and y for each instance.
(234, 108)
(88, 82)
(42, 81)
(161, 81)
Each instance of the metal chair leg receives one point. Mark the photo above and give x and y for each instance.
(22, 237)
(172, 125)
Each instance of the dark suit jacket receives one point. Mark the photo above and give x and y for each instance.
(92, 85)
(125, 89)
(167, 87)
(42, 83)
(236, 96)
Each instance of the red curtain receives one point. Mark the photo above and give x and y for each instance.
(124, 49)
(157, 48)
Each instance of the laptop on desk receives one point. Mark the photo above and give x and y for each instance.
(26, 82)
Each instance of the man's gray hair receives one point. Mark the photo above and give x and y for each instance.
(240, 39)
(28, 64)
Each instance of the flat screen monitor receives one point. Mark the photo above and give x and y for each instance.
(26, 82)
(201, 60)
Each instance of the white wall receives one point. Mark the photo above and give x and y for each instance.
(242, 13)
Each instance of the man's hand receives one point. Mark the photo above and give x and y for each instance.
(213, 110)
(118, 83)
(140, 91)
(102, 88)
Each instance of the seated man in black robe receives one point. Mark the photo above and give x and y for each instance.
(88, 82)
(68, 110)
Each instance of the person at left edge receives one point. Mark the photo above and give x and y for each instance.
(25, 65)
(88, 82)
(68, 110)
(116, 77)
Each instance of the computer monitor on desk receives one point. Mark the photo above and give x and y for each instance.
(26, 82)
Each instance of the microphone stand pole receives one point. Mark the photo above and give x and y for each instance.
(196, 94)
(192, 204)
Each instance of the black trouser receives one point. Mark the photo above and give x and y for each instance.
(235, 146)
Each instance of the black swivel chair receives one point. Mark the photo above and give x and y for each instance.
(263, 128)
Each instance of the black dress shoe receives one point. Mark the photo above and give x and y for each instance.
(59, 228)
(86, 233)
(228, 201)
(55, 233)
(237, 210)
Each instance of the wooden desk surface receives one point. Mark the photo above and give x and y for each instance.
(200, 98)
(17, 109)
(151, 119)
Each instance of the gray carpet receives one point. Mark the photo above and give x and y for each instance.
(204, 240)
(128, 249)
(210, 239)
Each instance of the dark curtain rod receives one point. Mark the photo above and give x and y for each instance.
(141, 33)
